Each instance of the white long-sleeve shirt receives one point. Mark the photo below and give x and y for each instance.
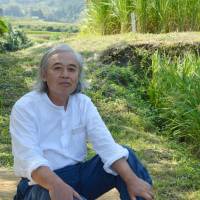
(44, 134)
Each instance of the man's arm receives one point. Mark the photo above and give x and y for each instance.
(135, 186)
(58, 189)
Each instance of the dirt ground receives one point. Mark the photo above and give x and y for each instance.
(8, 183)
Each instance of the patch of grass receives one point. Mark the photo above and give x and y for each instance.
(174, 90)
(175, 172)
(17, 76)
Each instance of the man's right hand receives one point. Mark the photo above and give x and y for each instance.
(62, 191)
(58, 189)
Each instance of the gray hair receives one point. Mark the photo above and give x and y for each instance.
(41, 85)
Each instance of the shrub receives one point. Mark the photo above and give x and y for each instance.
(14, 40)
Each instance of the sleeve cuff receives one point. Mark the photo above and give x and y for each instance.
(107, 165)
(34, 166)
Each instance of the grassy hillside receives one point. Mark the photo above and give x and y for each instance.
(119, 93)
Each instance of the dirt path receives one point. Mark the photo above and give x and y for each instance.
(8, 183)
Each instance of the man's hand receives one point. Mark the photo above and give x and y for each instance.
(139, 188)
(136, 187)
(60, 191)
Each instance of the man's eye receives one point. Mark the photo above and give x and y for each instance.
(57, 68)
(71, 69)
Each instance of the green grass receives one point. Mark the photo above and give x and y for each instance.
(176, 172)
(174, 90)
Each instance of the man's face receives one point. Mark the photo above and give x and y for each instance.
(62, 74)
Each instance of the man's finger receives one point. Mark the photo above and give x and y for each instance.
(150, 191)
(148, 197)
(76, 194)
(152, 195)
(133, 198)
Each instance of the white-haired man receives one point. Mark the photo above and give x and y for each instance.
(50, 127)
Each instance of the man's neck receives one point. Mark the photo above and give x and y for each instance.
(59, 100)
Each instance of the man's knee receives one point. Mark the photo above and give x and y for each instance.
(137, 166)
(37, 192)
(131, 154)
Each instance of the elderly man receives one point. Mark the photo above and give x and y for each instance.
(50, 127)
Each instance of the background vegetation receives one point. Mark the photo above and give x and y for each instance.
(152, 16)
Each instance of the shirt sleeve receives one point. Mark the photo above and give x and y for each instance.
(102, 140)
(27, 153)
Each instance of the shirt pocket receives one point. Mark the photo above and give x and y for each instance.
(78, 145)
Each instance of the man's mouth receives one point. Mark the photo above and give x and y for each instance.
(64, 83)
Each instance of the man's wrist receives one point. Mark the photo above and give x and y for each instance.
(54, 183)
(130, 178)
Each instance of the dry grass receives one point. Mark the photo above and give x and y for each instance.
(99, 43)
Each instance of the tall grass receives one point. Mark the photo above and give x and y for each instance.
(121, 10)
(153, 16)
(175, 91)
(97, 20)
(168, 15)
(108, 16)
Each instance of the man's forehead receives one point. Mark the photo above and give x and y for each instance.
(63, 57)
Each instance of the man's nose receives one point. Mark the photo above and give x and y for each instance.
(65, 72)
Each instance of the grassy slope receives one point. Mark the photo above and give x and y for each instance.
(174, 170)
